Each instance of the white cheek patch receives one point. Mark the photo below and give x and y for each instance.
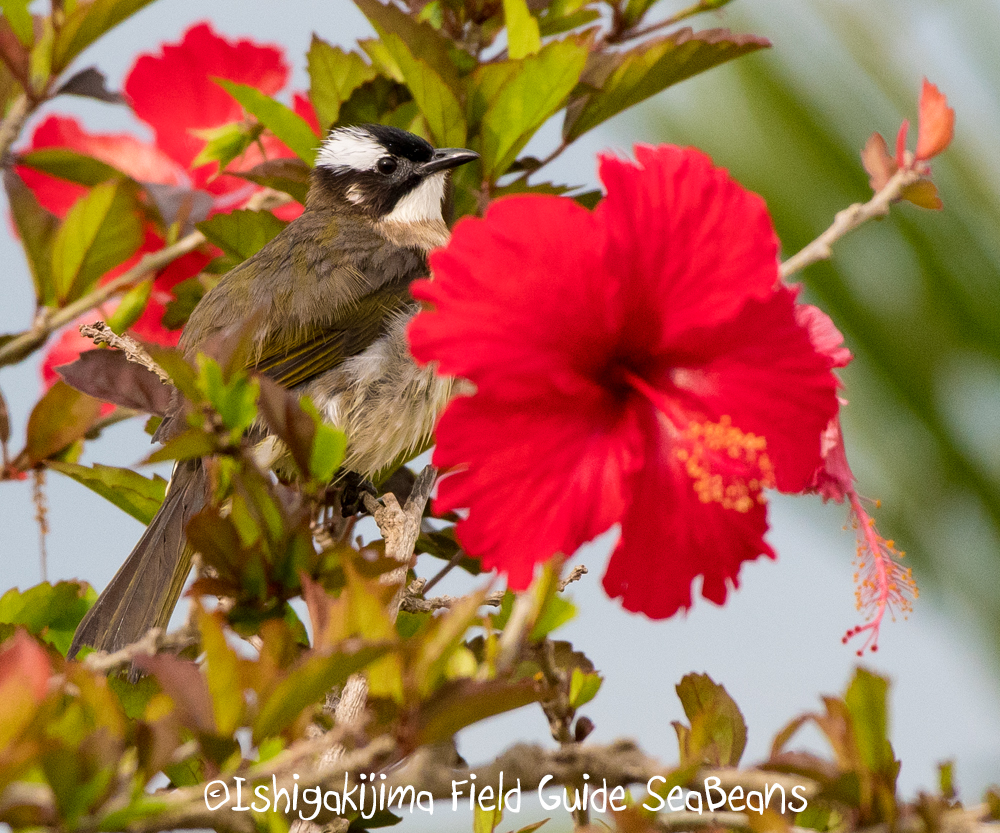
(351, 149)
(422, 203)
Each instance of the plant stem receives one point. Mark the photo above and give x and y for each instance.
(849, 219)
(48, 321)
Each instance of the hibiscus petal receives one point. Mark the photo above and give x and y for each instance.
(139, 160)
(669, 537)
(762, 371)
(174, 94)
(555, 481)
(519, 299)
(681, 231)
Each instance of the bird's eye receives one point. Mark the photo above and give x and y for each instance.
(386, 165)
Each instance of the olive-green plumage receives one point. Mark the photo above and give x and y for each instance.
(328, 299)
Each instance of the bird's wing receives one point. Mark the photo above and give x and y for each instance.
(352, 329)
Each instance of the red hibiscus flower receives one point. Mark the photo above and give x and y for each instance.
(638, 365)
(173, 92)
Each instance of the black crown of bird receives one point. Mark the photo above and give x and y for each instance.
(329, 302)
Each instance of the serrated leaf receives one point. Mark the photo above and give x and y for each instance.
(282, 121)
(306, 685)
(225, 143)
(556, 613)
(520, 96)
(19, 18)
(101, 230)
(420, 38)
(877, 162)
(108, 375)
(59, 418)
(222, 673)
(619, 80)
(583, 687)
(86, 23)
(91, 83)
(334, 75)
(438, 104)
(486, 821)
(718, 733)
(288, 175)
(49, 611)
(866, 702)
(139, 496)
(37, 228)
(523, 38)
(131, 307)
(242, 233)
(187, 445)
(924, 194)
(64, 163)
(464, 702)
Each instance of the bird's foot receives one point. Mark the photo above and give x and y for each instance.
(352, 499)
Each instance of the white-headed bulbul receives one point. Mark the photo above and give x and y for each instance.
(330, 300)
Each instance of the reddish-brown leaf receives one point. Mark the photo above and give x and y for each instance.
(879, 165)
(937, 122)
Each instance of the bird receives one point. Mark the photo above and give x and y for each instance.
(328, 301)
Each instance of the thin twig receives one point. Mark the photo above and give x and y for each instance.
(850, 218)
(690, 11)
(153, 642)
(101, 333)
(48, 321)
(13, 124)
(41, 515)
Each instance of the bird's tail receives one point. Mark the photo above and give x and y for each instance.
(143, 593)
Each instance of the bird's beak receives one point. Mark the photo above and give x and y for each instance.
(447, 158)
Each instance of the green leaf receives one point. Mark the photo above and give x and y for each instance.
(328, 449)
(102, 229)
(242, 233)
(48, 611)
(185, 446)
(334, 75)
(464, 702)
(37, 228)
(139, 496)
(67, 164)
(520, 96)
(583, 687)
(59, 418)
(288, 175)
(282, 121)
(420, 39)
(86, 23)
(224, 143)
(222, 674)
(523, 38)
(131, 306)
(866, 702)
(486, 821)
(619, 80)
(718, 732)
(438, 104)
(306, 685)
(19, 17)
(556, 613)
